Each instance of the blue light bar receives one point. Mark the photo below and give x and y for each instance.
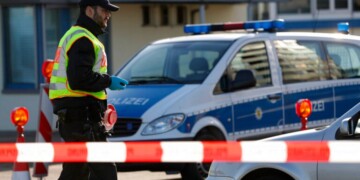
(266, 25)
(343, 27)
(197, 28)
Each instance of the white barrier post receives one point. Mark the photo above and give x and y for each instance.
(44, 132)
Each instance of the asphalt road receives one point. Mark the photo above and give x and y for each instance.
(55, 169)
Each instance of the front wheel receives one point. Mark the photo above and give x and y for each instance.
(274, 177)
(268, 175)
(199, 171)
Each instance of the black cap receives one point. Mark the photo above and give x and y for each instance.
(103, 3)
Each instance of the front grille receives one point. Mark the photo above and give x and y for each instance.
(126, 127)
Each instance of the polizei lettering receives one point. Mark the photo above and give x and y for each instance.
(129, 101)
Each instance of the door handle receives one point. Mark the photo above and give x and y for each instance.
(274, 97)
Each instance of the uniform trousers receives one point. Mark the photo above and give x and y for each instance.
(81, 130)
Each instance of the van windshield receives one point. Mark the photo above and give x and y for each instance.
(174, 63)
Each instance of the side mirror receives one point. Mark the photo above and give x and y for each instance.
(347, 127)
(243, 79)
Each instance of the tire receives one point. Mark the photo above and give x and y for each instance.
(273, 177)
(199, 171)
(268, 175)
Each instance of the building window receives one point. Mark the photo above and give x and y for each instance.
(341, 4)
(259, 11)
(338, 4)
(20, 48)
(317, 9)
(57, 22)
(26, 44)
(181, 15)
(323, 4)
(52, 32)
(146, 15)
(294, 7)
(356, 5)
(164, 15)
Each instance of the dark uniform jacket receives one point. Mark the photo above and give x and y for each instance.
(79, 71)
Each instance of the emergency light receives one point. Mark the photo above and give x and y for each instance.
(19, 116)
(46, 69)
(303, 108)
(343, 27)
(266, 25)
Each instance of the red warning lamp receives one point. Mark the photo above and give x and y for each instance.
(47, 68)
(19, 116)
(303, 109)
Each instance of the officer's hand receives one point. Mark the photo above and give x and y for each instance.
(118, 83)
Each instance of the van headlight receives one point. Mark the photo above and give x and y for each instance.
(163, 124)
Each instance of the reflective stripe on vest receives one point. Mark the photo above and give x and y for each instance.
(59, 86)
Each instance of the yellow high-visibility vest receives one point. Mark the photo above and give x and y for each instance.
(59, 86)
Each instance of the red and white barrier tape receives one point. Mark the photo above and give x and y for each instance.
(189, 151)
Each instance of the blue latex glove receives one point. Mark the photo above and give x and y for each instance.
(118, 83)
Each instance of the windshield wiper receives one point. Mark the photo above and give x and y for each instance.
(153, 79)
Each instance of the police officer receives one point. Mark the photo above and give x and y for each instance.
(78, 83)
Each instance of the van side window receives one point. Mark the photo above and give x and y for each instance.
(253, 57)
(346, 59)
(300, 62)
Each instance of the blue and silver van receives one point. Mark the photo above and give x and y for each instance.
(233, 86)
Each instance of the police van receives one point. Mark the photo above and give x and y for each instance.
(236, 85)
